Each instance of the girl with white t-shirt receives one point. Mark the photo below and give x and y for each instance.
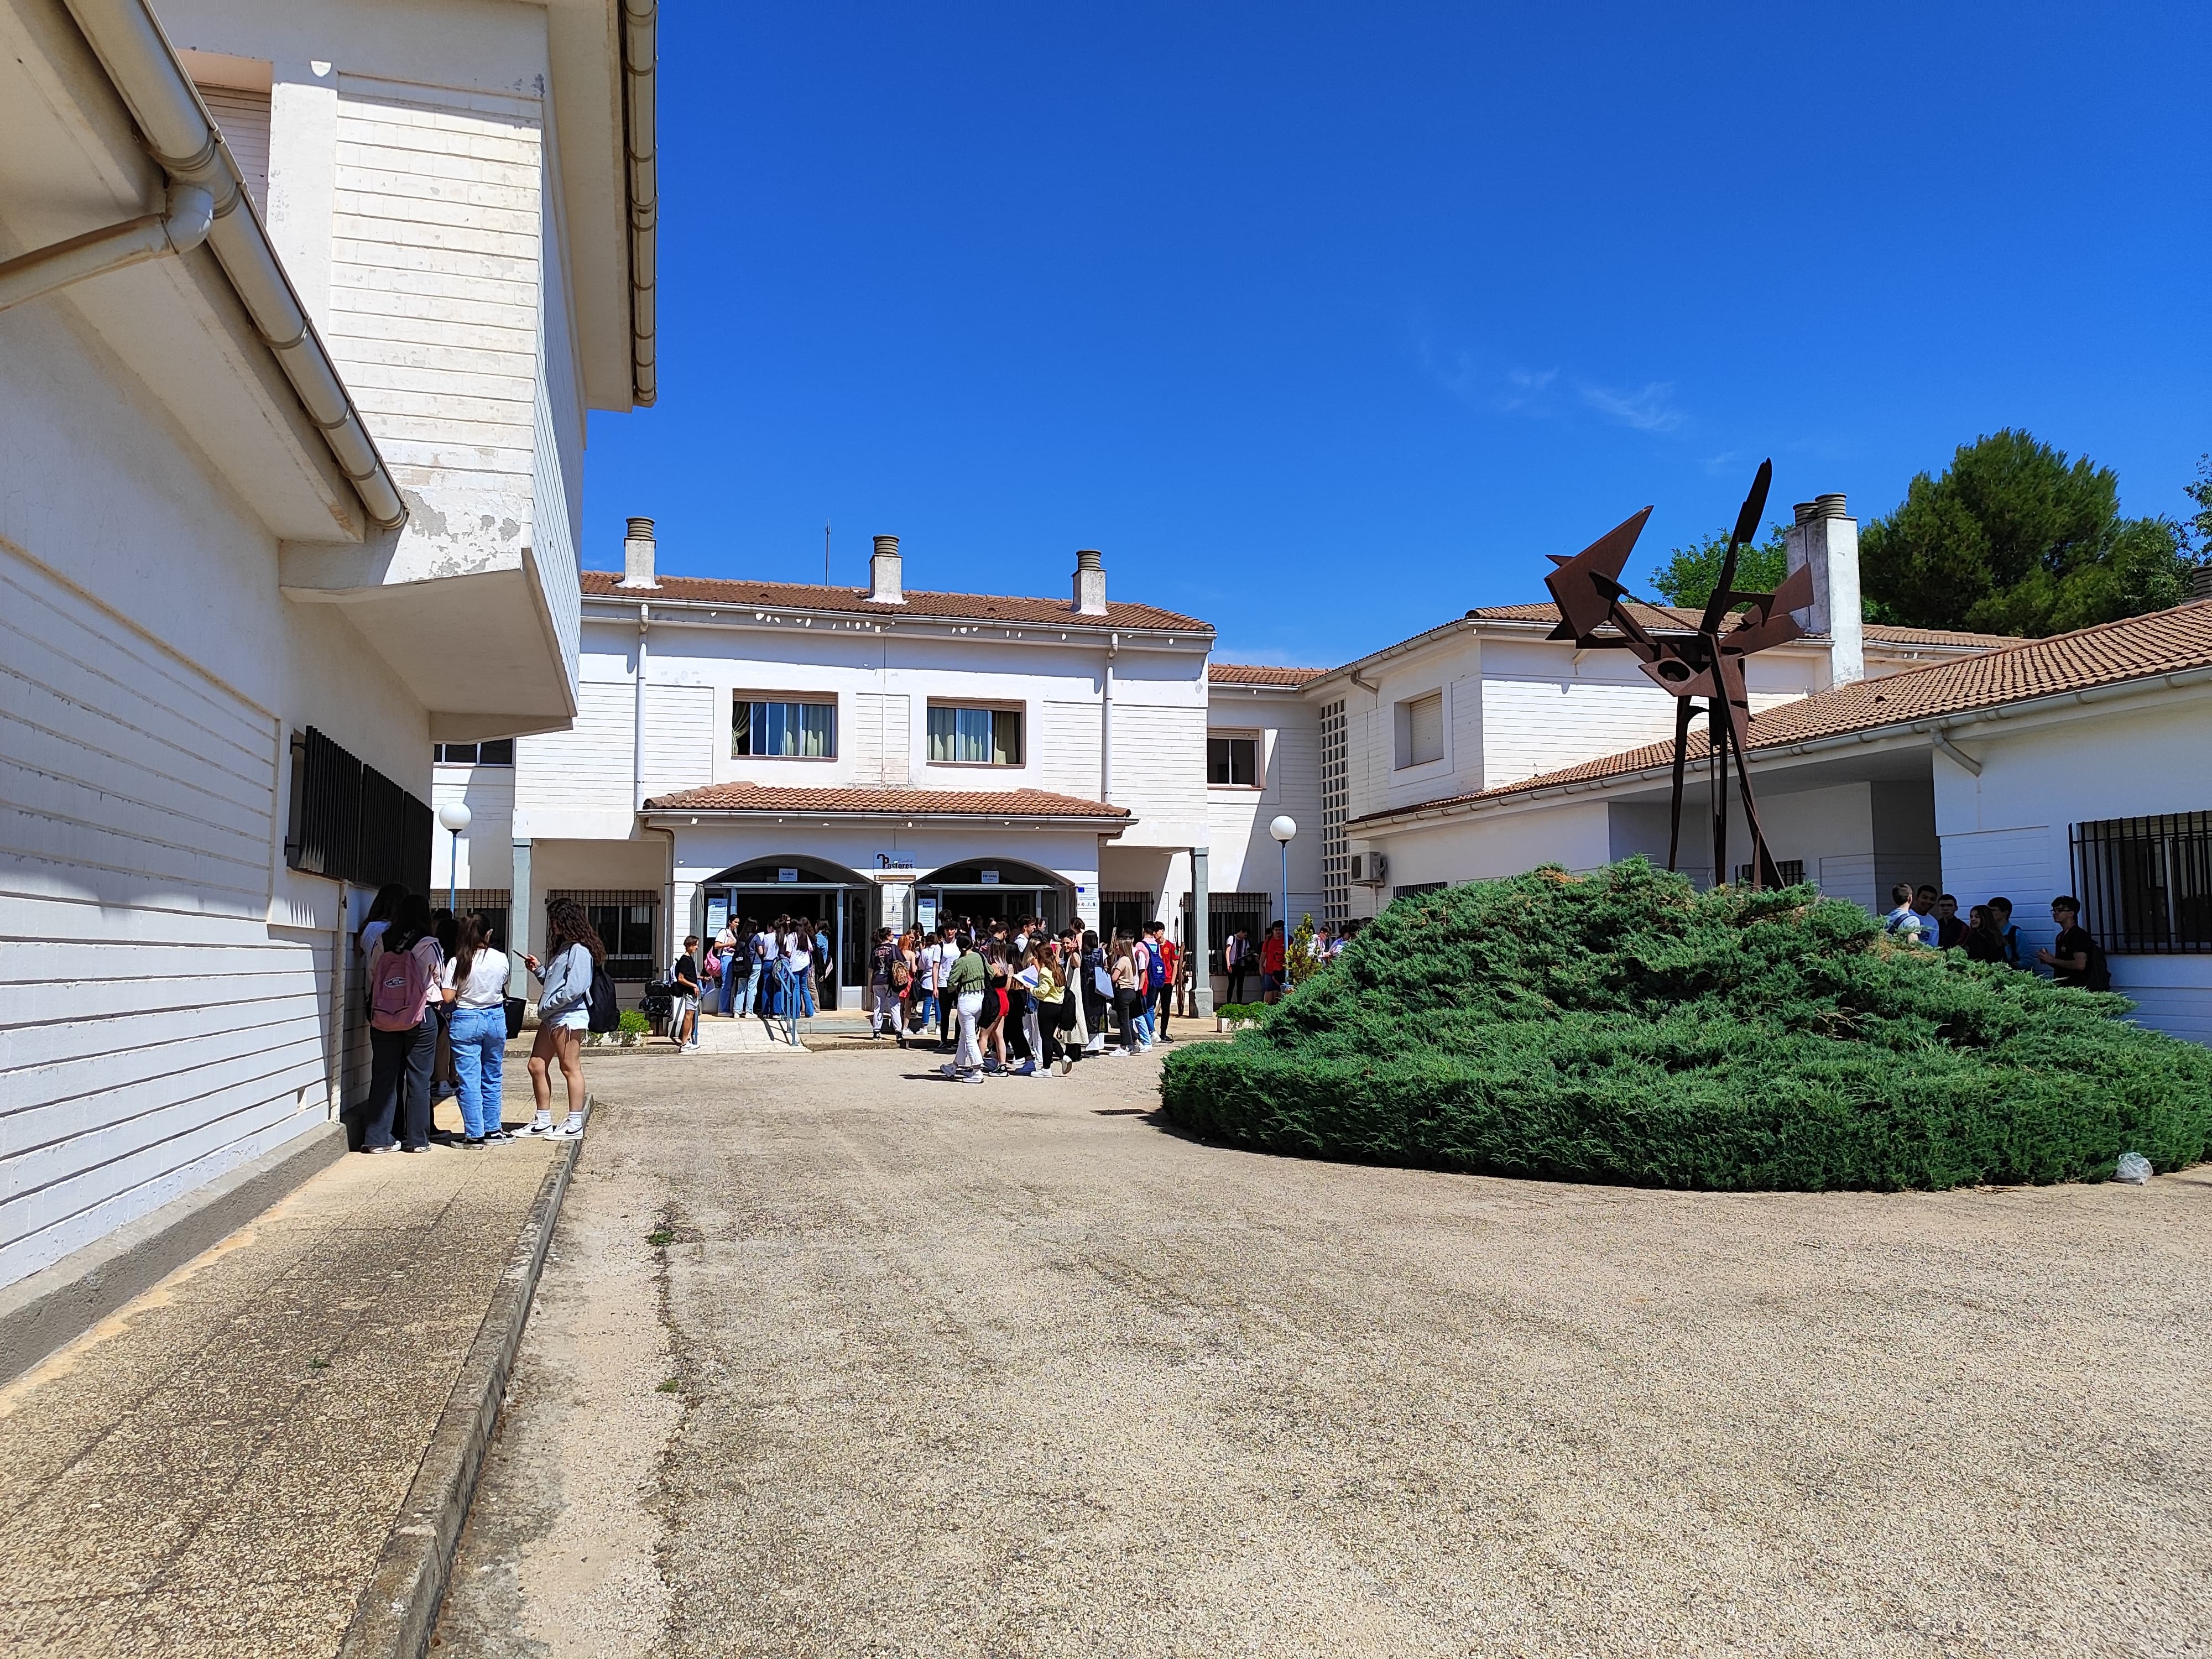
(474, 986)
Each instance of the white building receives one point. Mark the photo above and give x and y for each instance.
(866, 757)
(2081, 763)
(291, 422)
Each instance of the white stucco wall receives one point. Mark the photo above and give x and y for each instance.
(2008, 830)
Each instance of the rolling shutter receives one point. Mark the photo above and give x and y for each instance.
(243, 118)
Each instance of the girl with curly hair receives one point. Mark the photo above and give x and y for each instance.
(573, 952)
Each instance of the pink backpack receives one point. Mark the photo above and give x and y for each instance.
(399, 985)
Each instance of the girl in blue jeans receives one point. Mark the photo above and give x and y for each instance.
(476, 993)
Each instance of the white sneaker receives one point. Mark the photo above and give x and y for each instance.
(572, 1130)
(540, 1125)
(971, 1076)
(1115, 1052)
(690, 1048)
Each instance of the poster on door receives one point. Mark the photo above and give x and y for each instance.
(718, 914)
(926, 910)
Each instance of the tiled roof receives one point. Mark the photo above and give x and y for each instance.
(2111, 654)
(1238, 673)
(854, 601)
(1667, 616)
(892, 803)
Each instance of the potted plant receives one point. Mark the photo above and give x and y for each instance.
(630, 1030)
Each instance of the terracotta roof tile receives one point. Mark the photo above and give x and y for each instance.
(1667, 616)
(2111, 654)
(1238, 673)
(852, 601)
(915, 803)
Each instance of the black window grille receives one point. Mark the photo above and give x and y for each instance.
(625, 922)
(350, 823)
(1792, 870)
(498, 751)
(2146, 883)
(492, 903)
(1224, 914)
(1123, 913)
(1415, 888)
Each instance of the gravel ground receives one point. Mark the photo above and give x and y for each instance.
(1011, 1371)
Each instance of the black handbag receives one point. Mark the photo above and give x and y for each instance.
(514, 1006)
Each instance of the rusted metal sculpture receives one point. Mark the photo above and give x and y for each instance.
(1708, 664)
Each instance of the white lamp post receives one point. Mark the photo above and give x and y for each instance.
(1282, 829)
(454, 815)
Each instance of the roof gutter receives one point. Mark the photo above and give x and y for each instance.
(1937, 729)
(145, 72)
(728, 613)
(641, 149)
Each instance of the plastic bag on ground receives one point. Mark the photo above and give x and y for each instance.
(2133, 1169)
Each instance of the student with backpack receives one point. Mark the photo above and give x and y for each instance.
(883, 994)
(2073, 957)
(965, 985)
(575, 961)
(1098, 993)
(474, 986)
(403, 1031)
(1161, 983)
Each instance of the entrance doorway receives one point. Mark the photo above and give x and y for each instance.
(837, 902)
(1004, 887)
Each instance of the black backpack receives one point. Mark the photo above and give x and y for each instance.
(2100, 975)
(605, 1015)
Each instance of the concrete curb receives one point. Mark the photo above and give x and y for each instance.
(399, 1611)
(58, 1303)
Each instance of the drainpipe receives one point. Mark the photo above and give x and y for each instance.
(144, 69)
(1106, 725)
(641, 19)
(637, 718)
(181, 228)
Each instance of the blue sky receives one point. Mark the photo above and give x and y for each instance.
(1326, 323)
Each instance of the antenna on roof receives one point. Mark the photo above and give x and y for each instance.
(825, 552)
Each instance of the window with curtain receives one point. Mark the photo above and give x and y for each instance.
(974, 737)
(804, 731)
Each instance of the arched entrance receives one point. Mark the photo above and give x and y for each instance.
(984, 887)
(837, 901)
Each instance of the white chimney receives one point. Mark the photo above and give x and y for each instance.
(637, 556)
(1826, 538)
(886, 586)
(1090, 582)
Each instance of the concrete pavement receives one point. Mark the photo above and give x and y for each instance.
(217, 1468)
(839, 1359)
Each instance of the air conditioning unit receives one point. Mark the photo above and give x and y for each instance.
(1370, 869)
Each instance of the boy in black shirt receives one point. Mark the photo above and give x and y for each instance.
(2069, 956)
(684, 1027)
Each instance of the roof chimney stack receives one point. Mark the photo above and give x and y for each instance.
(1090, 582)
(886, 584)
(1826, 537)
(637, 556)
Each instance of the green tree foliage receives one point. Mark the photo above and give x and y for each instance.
(1691, 574)
(2199, 490)
(2015, 538)
(1622, 1027)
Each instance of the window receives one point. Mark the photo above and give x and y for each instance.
(1233, 763)
(350, 823)
(500, 752)
(974, 737)
(799, 730)
(1792, 871)
(2146, 883)
(625, 922)
(1421, 730)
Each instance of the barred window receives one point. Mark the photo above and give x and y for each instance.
(499, 751)
(2146, 883)
(1792, 870)
(797, 731)
(974, 737)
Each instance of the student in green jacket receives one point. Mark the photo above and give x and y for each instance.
(964, 986)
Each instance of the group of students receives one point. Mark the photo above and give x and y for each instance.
(1240, 958)
(1018, 999)
(440, 1017)
(1924, 916)
(780, 969)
